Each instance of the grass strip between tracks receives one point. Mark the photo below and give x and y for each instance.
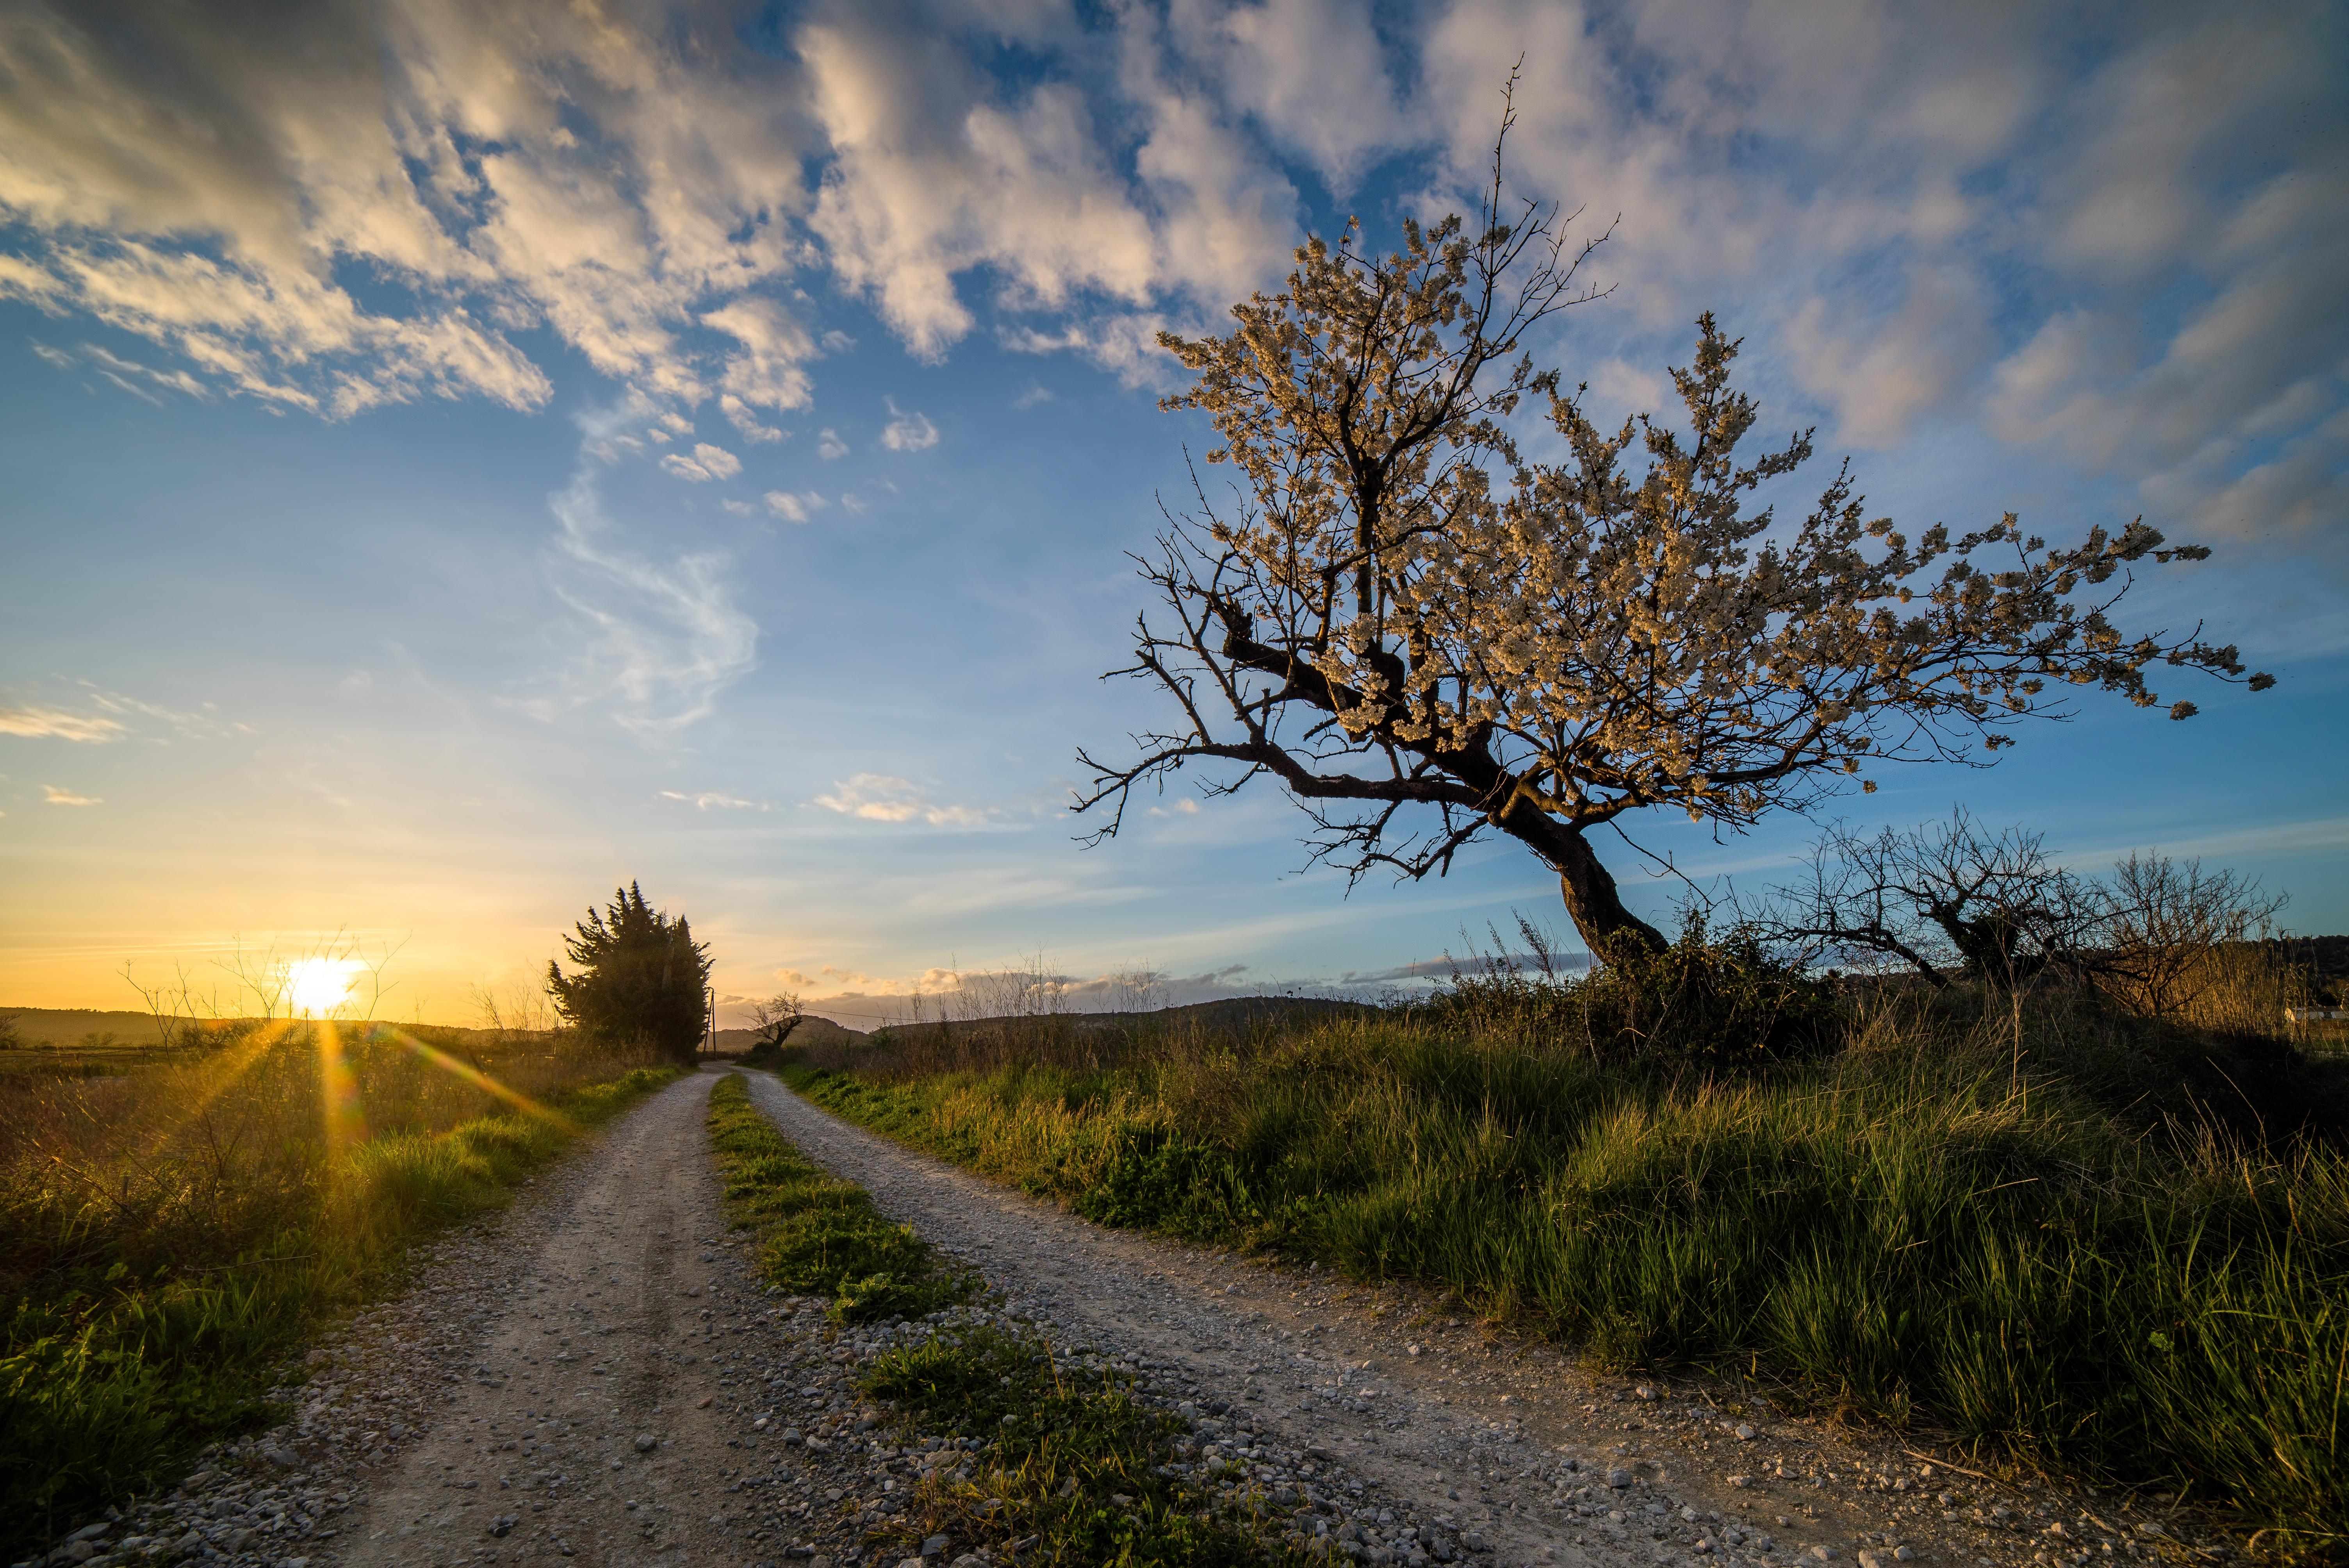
(145, 1324)
(819, 1235)
(1071, 1466)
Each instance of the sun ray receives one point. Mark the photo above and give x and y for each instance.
(231, 1064)
(479, 1079)
(344, 1119)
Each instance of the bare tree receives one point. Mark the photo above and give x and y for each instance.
(1946, 899)
(1953, 899)
(1424, 636)
(1138, 988)
(773, 1018)
(2168, 917)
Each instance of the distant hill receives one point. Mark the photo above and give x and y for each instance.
(1229, 1012)
(70, 1026)
(46, 1026)
(815, 1031)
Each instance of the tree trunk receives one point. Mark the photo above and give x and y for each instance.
(1591, 899)
(1589, 888)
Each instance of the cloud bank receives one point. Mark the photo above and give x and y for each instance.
(2106, 233)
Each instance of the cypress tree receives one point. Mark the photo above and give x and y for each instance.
(639, 978)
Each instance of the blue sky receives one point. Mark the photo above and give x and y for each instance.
(455, 458)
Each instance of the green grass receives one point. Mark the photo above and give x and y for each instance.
(818, 1235)
(1072, 1461)
(1904, 1231)
(1069, 1456)
(154, 1291)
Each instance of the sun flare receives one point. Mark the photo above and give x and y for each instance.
(317, 986)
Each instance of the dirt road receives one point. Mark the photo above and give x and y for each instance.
(1544, 1460)
(595, 1377)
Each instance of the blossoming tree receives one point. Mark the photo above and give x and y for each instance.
(1426, 637)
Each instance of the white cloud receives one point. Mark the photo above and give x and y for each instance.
(746, 420)
(2121, 238)
(1881, 374)
(738, 508)
(796, 507)
(711, 800)
(707, 463)
(56, 796)
(767, 372)
(1035, 396)
(829, 446)
(660, 639)
(933, 175)
(884, 797)
(201, 726)
(1310, 72)
(908, 432)
(37, 722)
(207, 188)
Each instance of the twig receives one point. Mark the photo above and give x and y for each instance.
(1931, 1458)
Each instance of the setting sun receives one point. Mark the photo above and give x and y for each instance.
(319, 985)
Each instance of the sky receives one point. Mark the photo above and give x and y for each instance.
(457, 458)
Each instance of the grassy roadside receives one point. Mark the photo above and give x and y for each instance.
(1904, 1230)
(1071, 1465)
(163, 1249)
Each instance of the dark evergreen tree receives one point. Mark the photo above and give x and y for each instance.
(640, 978)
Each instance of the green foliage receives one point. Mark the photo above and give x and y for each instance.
(1908, 1226)
(640, 977)
(821, 1235)
(1075, 1459)
(149, 1320)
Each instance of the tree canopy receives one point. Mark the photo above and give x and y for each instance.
(1425, 635)
(640, 977)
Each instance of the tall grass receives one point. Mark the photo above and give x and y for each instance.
(2019, 1227)
(167, 1238)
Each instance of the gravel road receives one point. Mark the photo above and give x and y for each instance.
(1499, 1436)
(595, 1376)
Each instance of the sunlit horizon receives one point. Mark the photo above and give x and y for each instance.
(755, 524)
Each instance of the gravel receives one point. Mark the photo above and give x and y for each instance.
(595, 1376)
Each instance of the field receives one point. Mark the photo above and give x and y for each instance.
(172, 1228)
(2054, 1234)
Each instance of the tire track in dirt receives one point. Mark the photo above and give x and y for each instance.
(580, 1434)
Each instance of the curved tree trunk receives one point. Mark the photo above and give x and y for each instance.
(1587, 886)
(1597, 908)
